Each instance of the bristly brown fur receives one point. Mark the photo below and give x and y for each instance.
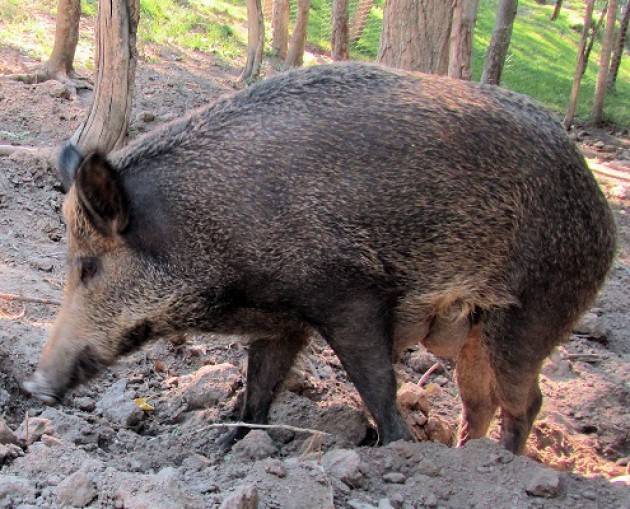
(378, 208)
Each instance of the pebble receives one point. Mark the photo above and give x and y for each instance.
(544, 483)
(6, 434)
(209, 385)
(37, 426)
(413, 397)
(394, 478)
(439, 431)
(357, 504)
(256, 445)
(343, 464)
(86, 404)
(384, 503)
(591, 325)
(117, 405)
(246, 497)
(276, 467)
(9, 452)
(76, 490)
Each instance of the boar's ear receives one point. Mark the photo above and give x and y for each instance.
(68, 163)
(101, 194)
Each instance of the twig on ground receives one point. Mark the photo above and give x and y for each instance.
(584, 357)
(263, 426)
(428, 373)
(22, 298)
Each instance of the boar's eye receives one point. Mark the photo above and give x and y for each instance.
(88, 266)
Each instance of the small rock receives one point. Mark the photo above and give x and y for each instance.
(343, 464)
(9, 452)
(5, 398)
(421, 361)
(590, 495)
(591, 325)
(357, 504)
(209, 385)
(146, 116)
(60, 91)
(86, 404)
(6, 434)
(37, 426)
(394, 478)
(544, 483)
(76, 490)
(256, 445)
(439, 431)
(277, 468)
(15, 490)
(246, 497)
(384, 503)
(50, 441)
(413, 397)
(117, 405)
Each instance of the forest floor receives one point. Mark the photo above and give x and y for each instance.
(99, 449)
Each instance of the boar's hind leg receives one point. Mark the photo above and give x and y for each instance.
(358, 333)
(518, 344)
(475, 381)
(268, 363)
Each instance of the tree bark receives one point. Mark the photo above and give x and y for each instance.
(295, 57)
(280, 29)
(106, 126)
(255, 40)
(416, 35)
(556, 10)
(359, 20)
(339, 37)
(620, 45)
(464, 19)
(497, 51)
(60, 65)
(580, 65)
(604, 61)
(596, 30)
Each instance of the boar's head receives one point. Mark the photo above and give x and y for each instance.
(115, 298)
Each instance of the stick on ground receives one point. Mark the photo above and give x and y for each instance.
(22, 298)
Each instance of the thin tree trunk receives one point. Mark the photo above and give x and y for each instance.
(255, 40)
(501, 36)
(339, 38)
(298, 39)
(464, 19)
(106, 126)
(596, 30)
(604, 61)
(556, 10)
(359, 19)
(620, 44)
(416, 35)
(580, 65)
(60, 65)
(280, 29)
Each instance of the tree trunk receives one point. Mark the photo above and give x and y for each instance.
(106, 126)
(255, 40)
(280, 29)
(298, 39)
(359, 20)
(556, 10)
(620, 45)
(497, 51)
(580, 65)
(464, 18)
(60, 64)
(416, 35)
(604, 61)
(339, 38)
(596, 30)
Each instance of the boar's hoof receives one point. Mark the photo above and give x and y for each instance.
(38, 387)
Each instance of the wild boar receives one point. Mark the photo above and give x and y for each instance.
(376, 208)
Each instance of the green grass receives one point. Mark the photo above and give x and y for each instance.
(540, 62)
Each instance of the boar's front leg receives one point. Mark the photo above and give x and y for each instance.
(359, 333)
(269, 360)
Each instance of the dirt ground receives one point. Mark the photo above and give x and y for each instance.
(100, 449)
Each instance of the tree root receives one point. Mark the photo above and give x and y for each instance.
(42, 73)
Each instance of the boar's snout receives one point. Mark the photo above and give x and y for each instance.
(39, 387)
